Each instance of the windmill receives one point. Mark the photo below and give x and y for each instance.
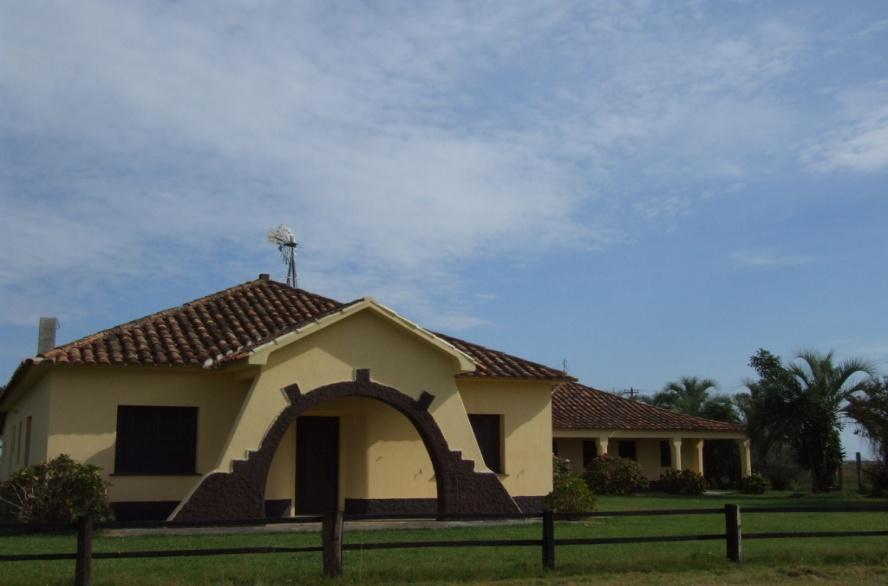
(283, 238)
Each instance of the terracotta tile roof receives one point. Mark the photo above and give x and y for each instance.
(496, 364)
(228, 324)
(202, 331)
(576, 406)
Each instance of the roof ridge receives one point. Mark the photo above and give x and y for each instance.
(162, 312)
(200, 301)
(286, 287)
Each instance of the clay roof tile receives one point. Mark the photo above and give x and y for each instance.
(232, 322)
(576, 406)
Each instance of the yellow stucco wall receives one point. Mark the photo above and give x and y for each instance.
(281, 483)
(83, 419)
(395, 357)
(648, 452)
(34, 404)
(526, 410)
(572, 450)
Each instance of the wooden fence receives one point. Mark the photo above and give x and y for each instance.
(333, 546)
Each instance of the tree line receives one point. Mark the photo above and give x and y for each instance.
(794, 414)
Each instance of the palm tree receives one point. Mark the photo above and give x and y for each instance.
(689, 395)
(870, 410)
(822, 389)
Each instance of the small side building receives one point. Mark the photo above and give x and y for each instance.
(588, 422)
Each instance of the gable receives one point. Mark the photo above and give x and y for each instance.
(385, 320)
(365, 338)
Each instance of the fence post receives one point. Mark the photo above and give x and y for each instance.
(859, 473)
(331, 532)
(548, 540)
(733, 536)
(83, 568)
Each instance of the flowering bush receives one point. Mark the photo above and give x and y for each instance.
(55, 492)
(682, 482)
(570, 493)
(609, 475)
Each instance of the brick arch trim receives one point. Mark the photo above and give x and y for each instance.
(240, 493)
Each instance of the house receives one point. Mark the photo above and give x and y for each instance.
(264, 399)
(588, 422)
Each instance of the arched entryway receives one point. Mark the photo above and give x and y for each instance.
(241, 492)
(355, 454)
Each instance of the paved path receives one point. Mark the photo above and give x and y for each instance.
(311, 527)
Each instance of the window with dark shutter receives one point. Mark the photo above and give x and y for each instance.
(665, 454)
(156, 440)
(488, 432)
(627, 449)
(590, 452)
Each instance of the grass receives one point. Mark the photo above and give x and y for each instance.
(790, 561)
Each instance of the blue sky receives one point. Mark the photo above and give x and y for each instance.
(643, 189)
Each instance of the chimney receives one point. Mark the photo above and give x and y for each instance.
(46, 334)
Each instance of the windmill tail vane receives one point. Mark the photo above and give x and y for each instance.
(286, 244)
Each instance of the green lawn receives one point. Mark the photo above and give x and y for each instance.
(847, 560)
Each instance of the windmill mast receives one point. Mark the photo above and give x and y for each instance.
(283, 238)
(291, 263)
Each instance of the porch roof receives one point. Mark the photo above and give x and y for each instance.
(576, 406)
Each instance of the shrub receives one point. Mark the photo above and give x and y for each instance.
(876, 475)
(781, 469)
(609, 475)
(753, 484)
(682, 482)
(570, 492)
(55, 492)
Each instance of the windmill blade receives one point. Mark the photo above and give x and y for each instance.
(285, 240)
(281, 235)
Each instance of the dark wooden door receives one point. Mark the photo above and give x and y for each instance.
(317, 465)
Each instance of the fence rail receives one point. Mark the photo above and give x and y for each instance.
(333, 546)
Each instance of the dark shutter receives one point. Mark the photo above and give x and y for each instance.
(665, 454)
(627, 449)
(590, 452)
(487, 430)
(156, 440)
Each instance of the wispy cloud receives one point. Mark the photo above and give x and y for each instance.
(770, 259)
(860, 143)
(875, 28)
(402, 142)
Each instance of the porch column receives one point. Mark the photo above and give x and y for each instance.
(675, 444)
(697, 466)
(745, 457)
(601, 444)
